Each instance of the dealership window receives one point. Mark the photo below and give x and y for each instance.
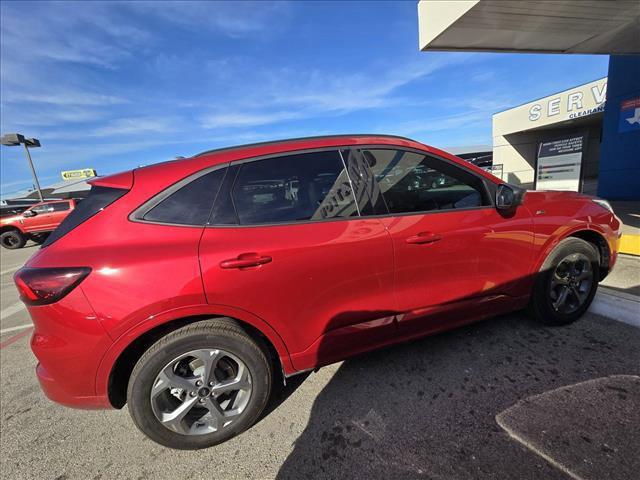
(191, 203)
(414, 182)
(60, 206)
(292, 188)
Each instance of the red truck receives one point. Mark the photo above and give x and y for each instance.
(35, 223)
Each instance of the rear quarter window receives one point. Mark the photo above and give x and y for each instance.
(189, 204)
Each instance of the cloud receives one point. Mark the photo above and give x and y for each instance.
(328, 91)
(233, 19)
(47, 63)
(15, 116)
(135, 126)
(441, 123)
(285, 94)
(68, 97)
(231, 120)
(91, 33)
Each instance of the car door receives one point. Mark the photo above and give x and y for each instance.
(41, 221)
(286, 242)
(60, 211)
(456, 258)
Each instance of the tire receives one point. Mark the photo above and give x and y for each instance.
(202, 426)
(13, 239)
(565, 270)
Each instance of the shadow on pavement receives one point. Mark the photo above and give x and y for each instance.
(427, 409)
(629, 213)
(282, 392)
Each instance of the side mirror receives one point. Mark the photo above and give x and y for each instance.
(29, 213)
(508, 197)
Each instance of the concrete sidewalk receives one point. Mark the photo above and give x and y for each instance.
(618, 296)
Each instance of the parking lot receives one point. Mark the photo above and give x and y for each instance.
(425, 409)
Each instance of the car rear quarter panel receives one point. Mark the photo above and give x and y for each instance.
(69, 341)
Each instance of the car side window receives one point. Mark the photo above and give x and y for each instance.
(191, 203)
(293, 188)
(42, 209)
(366, 191)
(60, 206)
(415, 182)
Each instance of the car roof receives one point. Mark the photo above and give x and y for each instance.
(182, 167)
(349, 139)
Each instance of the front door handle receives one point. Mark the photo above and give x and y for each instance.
(246, 260)
(423, 238)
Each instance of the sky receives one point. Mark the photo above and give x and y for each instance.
(115, 85)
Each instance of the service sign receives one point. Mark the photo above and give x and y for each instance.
(78, 174)
(560, 164)
(573, 104)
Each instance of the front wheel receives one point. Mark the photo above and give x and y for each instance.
(566, 284)
(199, 385)
(13, 239)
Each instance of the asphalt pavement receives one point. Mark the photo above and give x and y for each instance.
(13, 316)
(426, 409)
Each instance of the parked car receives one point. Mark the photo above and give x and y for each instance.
(34, 223)
(185, 291)
(11, 210)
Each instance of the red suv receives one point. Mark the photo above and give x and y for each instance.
(34, 223)
(185, 288)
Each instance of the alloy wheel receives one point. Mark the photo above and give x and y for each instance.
(571, 283)
(201, 391)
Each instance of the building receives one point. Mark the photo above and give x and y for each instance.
(541, 26)
(619, 172)
(568, 120)
(585, 138)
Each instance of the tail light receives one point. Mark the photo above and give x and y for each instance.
(41, 286)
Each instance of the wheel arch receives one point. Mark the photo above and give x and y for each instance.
(9, 228)
(114, 373)
(601, 246)
(590, 235)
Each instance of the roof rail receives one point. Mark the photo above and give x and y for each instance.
(284, 140)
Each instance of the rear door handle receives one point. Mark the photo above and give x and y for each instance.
(423, 238)
(246, 260)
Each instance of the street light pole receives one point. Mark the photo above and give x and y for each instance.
(33, 171)
(15, 139)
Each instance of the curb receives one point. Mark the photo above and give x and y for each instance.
(629, 244)
(617, 306)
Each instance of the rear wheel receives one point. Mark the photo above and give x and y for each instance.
(566, 284)
(39, 238)
(200, 385)
(12, 239)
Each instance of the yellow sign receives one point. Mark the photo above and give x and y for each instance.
(78, 174)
